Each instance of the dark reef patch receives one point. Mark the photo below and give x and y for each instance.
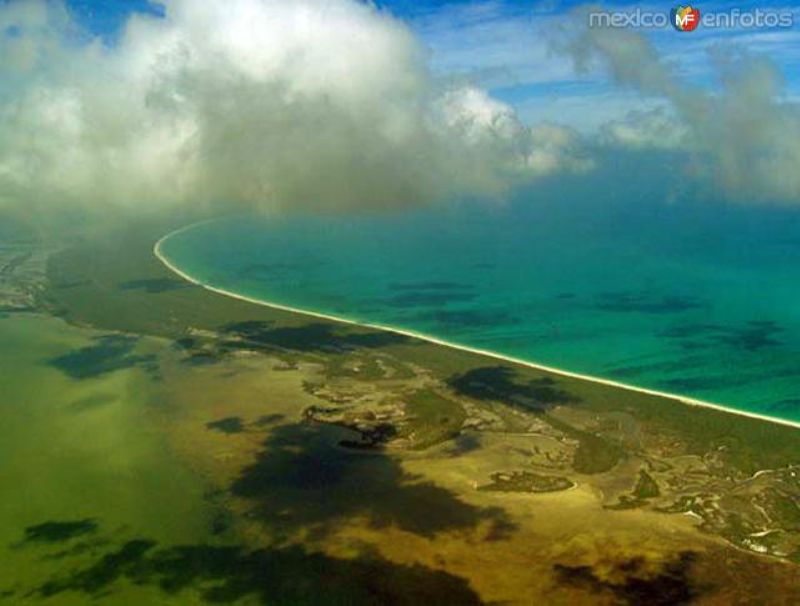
(466, 318)
(155, 285)
(632, 584)
(691, 330)
(227, 425)
(427, 298)
(684, 384)
(418, 286)
(109, 353)
(315, 337)
(498, 383)
(671, 366)
(56, 532)
(752, 336)
(632, 302)
(302, 480)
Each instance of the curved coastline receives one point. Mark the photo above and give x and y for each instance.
(437, 341)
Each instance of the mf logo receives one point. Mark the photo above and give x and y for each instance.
(685, 18)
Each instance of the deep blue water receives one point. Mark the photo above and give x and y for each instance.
(697, 298)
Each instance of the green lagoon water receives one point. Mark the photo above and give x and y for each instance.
(696, 298)
(83, 470)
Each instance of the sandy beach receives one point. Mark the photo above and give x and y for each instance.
(158, 252)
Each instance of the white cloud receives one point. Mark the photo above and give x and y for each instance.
(654, 128)
(488, 124)
(746, 136)
(553, 147)
(316, 104)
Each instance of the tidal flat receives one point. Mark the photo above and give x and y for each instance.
(181, 446)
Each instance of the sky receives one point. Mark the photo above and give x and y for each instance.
(504, 47)
(329, 105)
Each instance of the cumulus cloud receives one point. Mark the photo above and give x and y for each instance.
(493, 127)
(652, 128)
(312, 104)
(744, 134)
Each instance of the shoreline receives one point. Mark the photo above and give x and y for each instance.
(441, 342)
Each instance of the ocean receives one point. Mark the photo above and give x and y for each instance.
(637, 284)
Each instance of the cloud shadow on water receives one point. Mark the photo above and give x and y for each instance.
(633, 584)
(314, 337)
(499, 383)
(57, 532)
(107, 354)
(303, 480)
(291, 575)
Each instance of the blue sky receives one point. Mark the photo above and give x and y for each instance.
(105, 17)
(504, 46)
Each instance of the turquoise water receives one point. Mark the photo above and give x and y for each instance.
(696, 298)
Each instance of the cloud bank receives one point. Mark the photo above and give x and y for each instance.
(311, 105)
(745, 136)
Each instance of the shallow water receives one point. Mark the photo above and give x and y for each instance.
(83, 470)
(696, 298)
